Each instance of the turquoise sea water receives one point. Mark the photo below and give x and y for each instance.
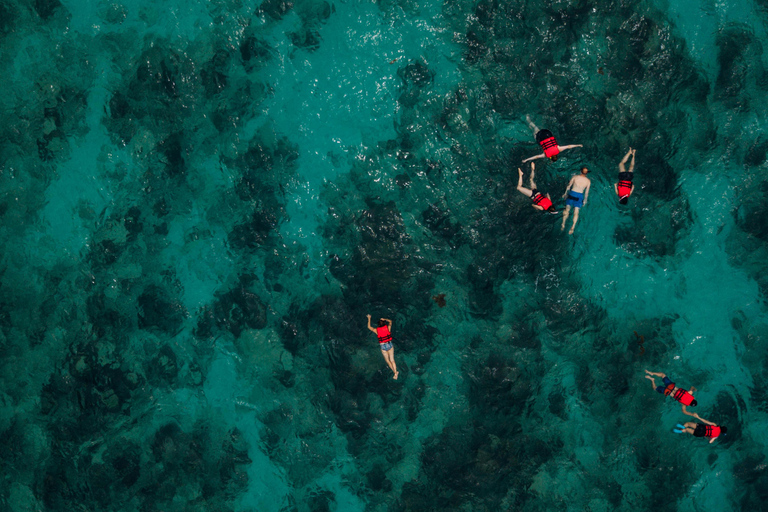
(200, 202)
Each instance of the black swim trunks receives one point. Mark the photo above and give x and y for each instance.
(542, 135)
(626, 176)
(700, 431)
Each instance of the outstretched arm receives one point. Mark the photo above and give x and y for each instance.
(563, 148)
(616, 188)
(534, 157)
(369, 324)
(685, 411)
(696, 415)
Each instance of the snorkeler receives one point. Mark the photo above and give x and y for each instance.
(540, 202)
(669, 388)
(384, 332)
(697, 429)
(625, 187)
(577, 197)
(547, 142)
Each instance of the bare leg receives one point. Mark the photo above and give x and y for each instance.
(531, 125)
(566, 213)
(624, 160)
(690, 427)
(632, 164)
(533, 173)
(520, 187)
(388, 359)
(391, 362)
(653, 382)
(575, 219)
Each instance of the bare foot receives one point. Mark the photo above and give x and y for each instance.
(648, 376)
(571, 231)
(396, 374)
(562, 226)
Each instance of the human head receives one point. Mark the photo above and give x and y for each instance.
(584, 170)
(694, 403)
(624, 200)
(552, 210)
(553, 158)
(382, 323)
(723, 430)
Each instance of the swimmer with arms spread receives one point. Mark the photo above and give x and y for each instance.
(384, 333)
(547, 142)
(625, 187)
(708, 429)
(668, 388)
(576, 194)
(540, 202)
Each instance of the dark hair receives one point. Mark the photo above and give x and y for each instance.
(694, 403)
(584, 168)
(723, 430)
(382, 323)
(624, 200)
(553, 158)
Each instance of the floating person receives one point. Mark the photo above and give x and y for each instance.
(384, 332)
(625, 187)
(540, 202)
(669, 388)
(576, 195)
(708, 429)
(547, 142)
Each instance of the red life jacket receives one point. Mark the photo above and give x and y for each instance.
(712, 431)
(542, 200)
(550, 147)
(683, 397)
(624, 188)
(383, 334)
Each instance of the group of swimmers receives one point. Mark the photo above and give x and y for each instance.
(577, 191)
(668, 388)
(576, 195)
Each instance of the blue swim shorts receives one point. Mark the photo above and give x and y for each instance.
(667, 382)
(575, 199)
(386, 346)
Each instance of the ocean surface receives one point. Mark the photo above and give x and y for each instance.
(200, 202)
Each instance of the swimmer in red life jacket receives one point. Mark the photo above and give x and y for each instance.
(540, 202)
(709, 429)
(384, 333)
(547, 142)
(669, 389)
(625, 187)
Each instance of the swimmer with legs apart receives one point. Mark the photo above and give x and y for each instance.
(384, 333)
(540, 202)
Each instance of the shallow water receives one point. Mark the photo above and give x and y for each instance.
(201, 202)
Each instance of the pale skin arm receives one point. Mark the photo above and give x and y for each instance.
(586, 193)
(563, 148)
(369, 324)
(534, 157)
(570, 184)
